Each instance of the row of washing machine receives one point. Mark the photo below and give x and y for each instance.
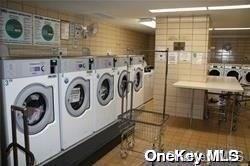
(69, 99)
(240, 72)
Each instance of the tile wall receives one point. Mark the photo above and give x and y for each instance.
(194, 32)
(111, 38)
(239, 54)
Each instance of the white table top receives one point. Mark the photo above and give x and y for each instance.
(214, 83)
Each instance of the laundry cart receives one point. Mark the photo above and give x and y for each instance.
(141, 129)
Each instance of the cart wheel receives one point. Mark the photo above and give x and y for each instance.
(131, 145)
(123, 154)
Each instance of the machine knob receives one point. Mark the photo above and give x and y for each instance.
(42, 68)
(66, 80)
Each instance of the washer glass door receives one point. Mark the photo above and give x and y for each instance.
(247, 77)
(123, 83)
(39, 101)
(105, 89)
(214, 72)
(233, 73)
(77, 98)
(138, 79)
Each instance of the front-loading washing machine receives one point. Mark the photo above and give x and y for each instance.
(32, 83)
(245, 73)
(233, 70)
(137, 76)
(76, 99)
(216, 69)
(104, 102)
(121, 84)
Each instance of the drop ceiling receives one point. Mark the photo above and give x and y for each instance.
(127, 12)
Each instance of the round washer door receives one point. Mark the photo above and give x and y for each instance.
(138, 79)
(40, 103)
(247, 77)
(233, 73)
(105, 89)
(77, 98)
(123, 83)
(214, 72)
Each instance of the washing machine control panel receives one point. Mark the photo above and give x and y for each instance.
(20, 68)
(137, 60)
(73, 65)
(121, 61)
(104, 62)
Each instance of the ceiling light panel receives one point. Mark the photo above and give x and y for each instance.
(171, 10)
(247, 6)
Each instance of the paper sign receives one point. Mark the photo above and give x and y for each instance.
(197, 58)
(65, 30)
(185, 57)
(75, 95)
(173, 58)
(15, 27)
(46, 31)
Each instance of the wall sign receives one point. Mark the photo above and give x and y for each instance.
(185, 57)
(64, 30)
(15, 27)
(46, 31)
(173, 58)
(197, 58)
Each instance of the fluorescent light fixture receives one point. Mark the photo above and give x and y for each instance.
(150, 22)
(247, 6)
(228, 29)
(169, 10)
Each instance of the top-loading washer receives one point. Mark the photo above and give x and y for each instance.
(76, 99)
(216, 69)
(32, 83)
(121, 83)
(233, 70)
(105, 112)
(137, 76)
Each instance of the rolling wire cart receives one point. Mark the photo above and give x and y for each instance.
(141, 125)
(30, 159)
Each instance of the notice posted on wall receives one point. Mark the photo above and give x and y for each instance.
(173, 58)
(15, 27)
(197, 58)
(185, 57)
(46, 31)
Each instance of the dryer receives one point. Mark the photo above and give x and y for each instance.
(104, 102)
(32, 83)
(137, 76)
(76, 100)
(121, 78)
(233, 70)
(216, 69)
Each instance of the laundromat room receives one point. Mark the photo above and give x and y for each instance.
(125, 82)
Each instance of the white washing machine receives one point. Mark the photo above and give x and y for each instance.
(121, 77)
(32, 83)
(137, 76)
(104, 102)
(233, 70)
(76, 100)
(245, 73)
(216, 69)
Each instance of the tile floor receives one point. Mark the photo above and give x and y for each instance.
(204, 134)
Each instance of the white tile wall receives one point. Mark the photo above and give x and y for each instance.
(194, 32)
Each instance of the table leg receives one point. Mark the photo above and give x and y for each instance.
(192, 107)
